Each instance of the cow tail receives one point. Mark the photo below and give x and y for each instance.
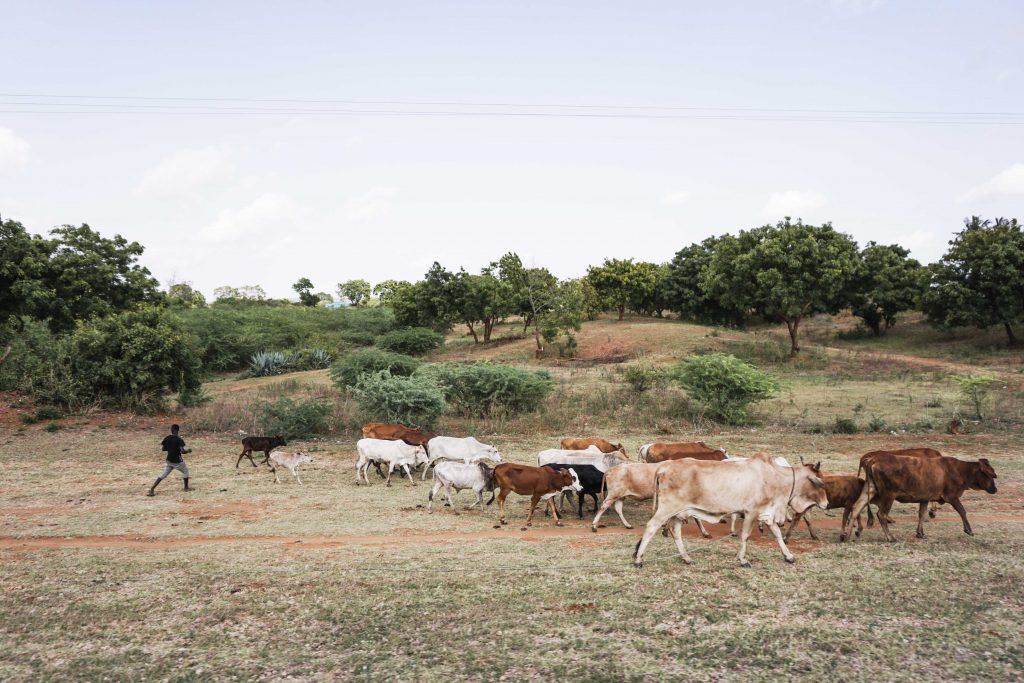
(604, 487)
(869, 481)
(657, 489)
(643, 452)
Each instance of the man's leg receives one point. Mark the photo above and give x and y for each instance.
(167, 470)
(184, 473)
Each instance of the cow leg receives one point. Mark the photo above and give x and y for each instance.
(748, 524)
(793, 525)
(554, 512)
(266, 457)
(274, 470)
(677, 534)
(855, 510)
(618, 511)
(533, 506)
(408, 474)
(790, 557)
(430, 496)
(391, 468)
(597, 516)
(246, 453)
(933, 509)
(479, 501)
(922, 512)
(448, 495)
(501, 505)
(883, 517)
(732, 524)
(810, 529)
(426, 466)
(653, 524)
(700, 527)
(959, 507)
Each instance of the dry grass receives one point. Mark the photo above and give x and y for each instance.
(246, 579)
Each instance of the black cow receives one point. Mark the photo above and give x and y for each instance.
(590, 478)
(259, 443)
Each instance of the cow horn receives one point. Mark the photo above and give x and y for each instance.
(802, 460)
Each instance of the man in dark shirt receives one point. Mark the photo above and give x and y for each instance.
(175, 446)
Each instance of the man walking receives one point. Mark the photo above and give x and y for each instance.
(175, 446)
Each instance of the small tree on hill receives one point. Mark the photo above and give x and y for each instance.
(622, 283)
(980, 280)
(785, 271)
(889, 282)
(685, 291)
(356, 291)
(304, 288)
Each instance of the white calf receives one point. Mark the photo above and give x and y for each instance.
(290, 461)
(458, 476)
(393, 453)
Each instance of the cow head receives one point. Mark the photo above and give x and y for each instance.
(808, 488)
(983, 478)
(420, 454)
(620, 447)
(277, 441)
(303, 458)
(569, 480)
(492, 453)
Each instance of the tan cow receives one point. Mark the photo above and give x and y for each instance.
(758, 487)
(660, 452)
(571, 444)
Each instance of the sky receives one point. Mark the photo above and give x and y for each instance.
(340, 140)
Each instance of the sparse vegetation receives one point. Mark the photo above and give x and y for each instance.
(412, 341)
(348, 369)
(293, 419)
(415, 401)
(482, 389)
(724, 385)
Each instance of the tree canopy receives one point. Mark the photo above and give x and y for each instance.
(888, 283)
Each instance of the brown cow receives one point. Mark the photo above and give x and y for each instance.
(843, 491)
(912, 479)
(541, 483)
(918, 452)
(259, 443)
(571, 444)
(397, 432)
(698, 450)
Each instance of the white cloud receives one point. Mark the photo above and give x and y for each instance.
(675, 198)
(266, 212)
(354, 141)
(186, 171)
(1008, 182)
(14, 151)
(370, 204)
(791, 203)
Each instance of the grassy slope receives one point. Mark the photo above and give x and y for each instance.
(408, 604)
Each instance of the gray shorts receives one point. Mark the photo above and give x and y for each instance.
(180, 466)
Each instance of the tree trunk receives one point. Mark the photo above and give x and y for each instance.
(1009, 334)
(793, 324)
(527, 319)
(622, 312)
(876, 328)
(472, 332)
(488, 326)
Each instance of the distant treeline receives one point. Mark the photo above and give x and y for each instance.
(82, 323)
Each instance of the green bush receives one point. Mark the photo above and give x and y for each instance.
(481, 389)
(416, 401)
(346, 370)
(643, 377)
(876, 423)
(48, 413)
(844, 425)
(52, 427)
(127, 360)
(724, 385)
(293, 419)
(412, 341)
(975, 389)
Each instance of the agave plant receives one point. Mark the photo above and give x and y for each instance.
(265, 363)
(319, 359)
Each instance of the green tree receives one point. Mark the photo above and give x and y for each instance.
(183, 295)
(533, 293)
(685, 293)
(356, 291)
(304, 288)
(389, 288)
(784, 272)
(622, 283)
(724, 385)
(980, 280)
(888, 283)
(653, 300)
(24, 271)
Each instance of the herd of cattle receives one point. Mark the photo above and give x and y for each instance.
(685, 480)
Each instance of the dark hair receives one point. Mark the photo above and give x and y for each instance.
(174, 428)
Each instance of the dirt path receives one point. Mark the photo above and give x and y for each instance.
(514, 532)
(919, 361)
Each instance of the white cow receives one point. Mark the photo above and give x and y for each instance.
(393, 453)
(778, 460)
(458, 476)
(590, 456)
(467, 449)
(289, 461)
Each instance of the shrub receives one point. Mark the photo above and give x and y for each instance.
(318, 359)
(724, 384)
(346, 370)
(48, 413)
(128, 360)
(412, 341)
(975, 389)
(876, 423)
(415, 401)
(643, 377)
(293, 419)
(480, 389)
(52, 427)
(844, 425)
(267, 363)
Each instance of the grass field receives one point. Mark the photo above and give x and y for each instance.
(245, 579)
